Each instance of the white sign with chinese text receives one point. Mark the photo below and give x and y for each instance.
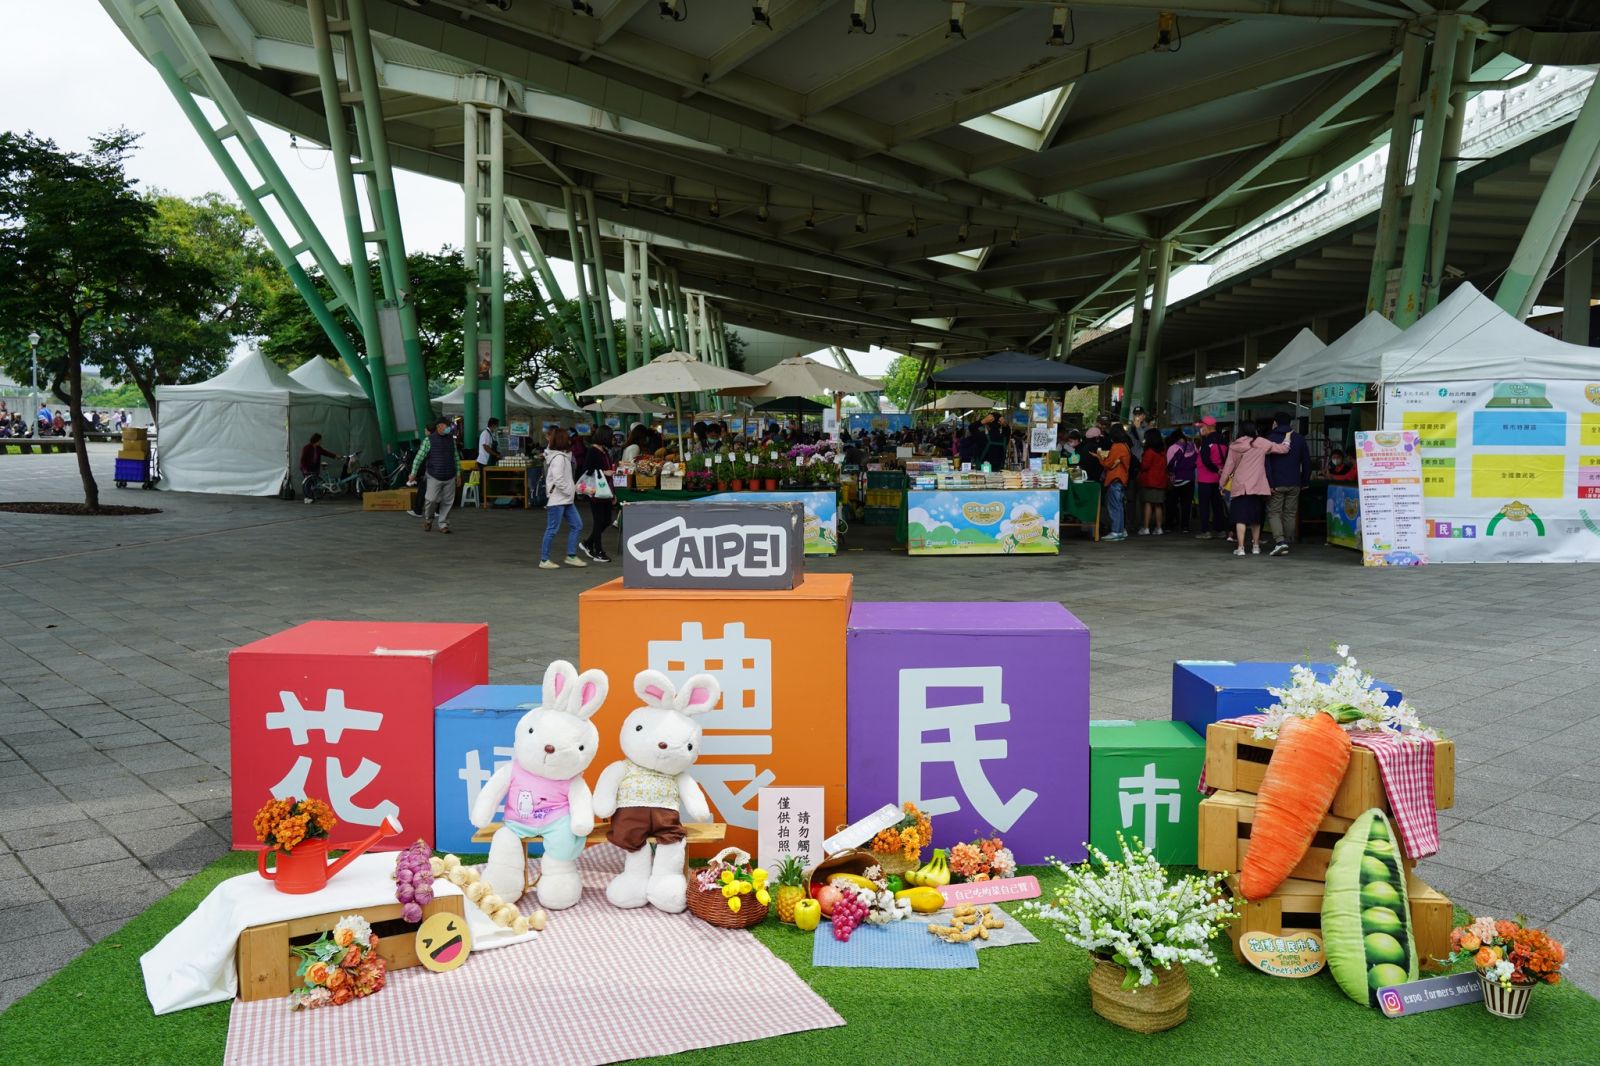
(789, 824)
(1389, 469)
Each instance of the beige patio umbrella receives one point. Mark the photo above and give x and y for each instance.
(961, 401)
(628, 405)
(801, 375)
(675, 373)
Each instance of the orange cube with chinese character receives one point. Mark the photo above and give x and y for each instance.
(779, 657)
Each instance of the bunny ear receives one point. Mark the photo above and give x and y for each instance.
(559, 680)
(655, 688)
(590, 689)
(699, 694)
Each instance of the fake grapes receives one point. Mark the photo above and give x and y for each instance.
(413, 881)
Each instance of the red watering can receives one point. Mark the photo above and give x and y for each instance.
(306, 868)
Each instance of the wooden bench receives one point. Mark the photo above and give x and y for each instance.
(696, 833)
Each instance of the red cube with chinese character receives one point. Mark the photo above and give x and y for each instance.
(343, 711)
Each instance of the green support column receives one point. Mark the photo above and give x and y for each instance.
(1145, 378)
(1141, 282)
(1449, 166)
(1564, 192)
(366, 309)
(497, 265)
(575, 248)
(1577, 282)
(472, 196)
(386, 212)
(1394, 172)
(1424, 187)
(604, 324)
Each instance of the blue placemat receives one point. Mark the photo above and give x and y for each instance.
(896, 946)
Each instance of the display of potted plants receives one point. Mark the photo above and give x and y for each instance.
(770, 472)
(898, 849)
(1511, 961)
(1142, 928)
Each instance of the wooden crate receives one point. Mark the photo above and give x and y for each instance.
(1236, 762)
(1298, 905)
(1225, 822)
(267, 969)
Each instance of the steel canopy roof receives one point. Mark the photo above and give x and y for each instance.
(907, 188)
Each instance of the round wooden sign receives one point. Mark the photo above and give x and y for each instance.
(1291, 953)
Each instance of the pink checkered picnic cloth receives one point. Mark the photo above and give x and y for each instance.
(1407, 771)
(600, 985)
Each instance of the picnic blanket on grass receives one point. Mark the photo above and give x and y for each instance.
(599, 985)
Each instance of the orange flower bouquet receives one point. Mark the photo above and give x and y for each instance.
(899, 848)
(1511, 960)
(339, 966)
(280, 824)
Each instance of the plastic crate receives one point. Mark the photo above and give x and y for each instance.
(881, 516)
(886, 479)
(132, 470)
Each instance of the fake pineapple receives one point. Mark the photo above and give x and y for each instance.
(791, 887)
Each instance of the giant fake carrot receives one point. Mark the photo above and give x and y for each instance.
(1298, 788)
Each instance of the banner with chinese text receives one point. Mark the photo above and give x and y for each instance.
(1389, 472)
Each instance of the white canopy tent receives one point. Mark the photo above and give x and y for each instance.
(452, 403)
(359, 432)
(1291, 358)
(240, 433)
(1468, 337)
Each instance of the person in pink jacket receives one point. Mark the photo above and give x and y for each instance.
(1245, 476)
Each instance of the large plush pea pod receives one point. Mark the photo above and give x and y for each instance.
(1366, 914)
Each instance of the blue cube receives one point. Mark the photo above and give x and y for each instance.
(472, 737)
(1206, 692)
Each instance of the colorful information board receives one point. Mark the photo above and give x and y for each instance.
(1389, 472)
(1511, 469)
(822, 514)
(1344, 515)
(983, 522)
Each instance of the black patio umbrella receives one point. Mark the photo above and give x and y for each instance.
(1017, 371)
(795, 405)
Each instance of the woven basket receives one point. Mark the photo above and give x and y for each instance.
(1145, 1009)
(895, 862)
(711, 906)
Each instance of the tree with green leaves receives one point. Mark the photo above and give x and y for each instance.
(77, 251)
(213, 239)
(900, 380)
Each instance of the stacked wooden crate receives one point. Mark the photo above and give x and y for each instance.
(1236, 762)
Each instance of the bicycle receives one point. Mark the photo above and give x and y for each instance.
(360, 479)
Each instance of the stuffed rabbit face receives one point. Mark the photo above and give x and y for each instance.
(556, 740)
(663, 734)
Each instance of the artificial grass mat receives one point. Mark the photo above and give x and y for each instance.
(1022, 1005)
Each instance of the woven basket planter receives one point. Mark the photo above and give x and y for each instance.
(894, 863)
(1505, 1002)
(1146, 1008)
(711, 907)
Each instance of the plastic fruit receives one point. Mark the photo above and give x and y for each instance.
(935, 873)
(1379, 894)
(854, 879)
(807, 915)
(1381, 920)
(827, 898)
(923, 899)
(791, 887)
(1374, 869)
(1381, 947)
(1385, 974)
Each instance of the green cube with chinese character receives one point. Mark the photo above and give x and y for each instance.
(1144, 781)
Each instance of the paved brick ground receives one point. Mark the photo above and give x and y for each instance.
(114, 635)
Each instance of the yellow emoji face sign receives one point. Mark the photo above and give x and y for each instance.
(443, 942)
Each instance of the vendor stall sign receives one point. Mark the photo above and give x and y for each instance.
(790, 824)
(1344, 516)
(1291, 953)
(822, 514)
(995, 522)
(713, 545)
(521, 428)
(1338, 394)
(995, 890)
(1431, 993)
(1389, 472)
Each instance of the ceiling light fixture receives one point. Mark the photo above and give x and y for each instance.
(911, 227)
(676, 10)
(1169, 37)
(958, 12)
(715, 206)
(762, 212)
(860, 12)
(1063, 30)
(861, 223)
(758, 14)
(581, 7)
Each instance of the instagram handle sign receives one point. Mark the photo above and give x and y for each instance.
(1432, 993)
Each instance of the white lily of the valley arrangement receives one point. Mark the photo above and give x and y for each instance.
(1350, 686)
(1130, 912)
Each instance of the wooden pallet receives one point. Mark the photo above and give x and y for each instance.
(1226, 819)
(267, 969)
(1236, 762)
(1297, 905)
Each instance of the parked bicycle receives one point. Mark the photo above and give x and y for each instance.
(350, 477)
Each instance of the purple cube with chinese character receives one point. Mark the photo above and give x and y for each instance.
(979, 714)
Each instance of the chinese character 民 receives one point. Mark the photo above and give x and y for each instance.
(963, 750)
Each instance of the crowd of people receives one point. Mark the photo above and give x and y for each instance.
(1207, 481)
(57, 423)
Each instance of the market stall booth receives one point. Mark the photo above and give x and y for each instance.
(360, 431)
(240, 432)
(1508, 424)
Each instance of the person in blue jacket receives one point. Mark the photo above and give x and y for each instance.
(1287, 474)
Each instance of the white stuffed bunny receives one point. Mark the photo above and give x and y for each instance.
(544, 790)
(642, 793)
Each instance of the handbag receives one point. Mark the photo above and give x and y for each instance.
(602, 487)
(585, 485)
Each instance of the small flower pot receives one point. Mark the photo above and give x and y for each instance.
(722, 486)
(736, 485)
(772, 484)
(1505, 1002)
(1144, 1009)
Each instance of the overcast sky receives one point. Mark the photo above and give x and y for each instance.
(108, 84)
